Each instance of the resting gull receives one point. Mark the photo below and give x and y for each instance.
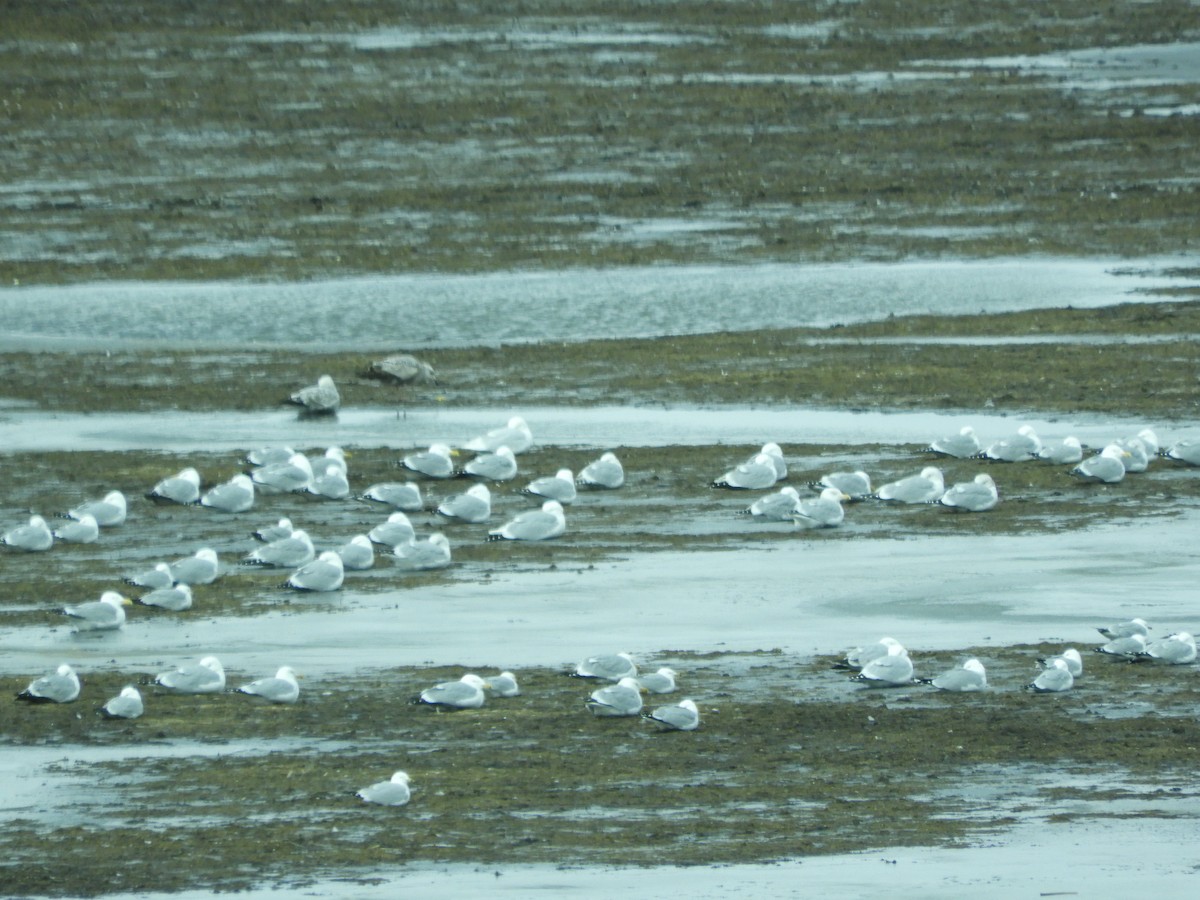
(432, 463)
(357, 554)
(325, 573)
(202, 567)
(605, 472)
(1071, 657)
(431, 553)
(923, 488)
(61, 686)
(330, 484)
(855, 485)
(660, 682)
(533, 525)
(824, 511)
(105, 614)
(321, 398)
(388, 793)
(1062, 453)
(233, 496)
(204, 677)
(404, 495)
(978, 495)
(396, 530)
(107, 512)
(182, 487)
(295, 475)
(1176, 649)
(1015, 448)
(503, 685)
(1136, 458)
(474, 505)
(32, 537)
(498, 466)
(287, 553)
(608, 666)
(1185, 451)
(681, 716)
(621, 699)
(777, 507)
(515, 435)
(79, 531)
(860, 656)
(962, 445)
(891, 670)
(757, 473)
(1054, 678)
(969, 676)
(269, 533)
(126, 705)
(560, 486)
(469, 692)
(1125, 629)
(1107, 467)
(1128, 647)
(176, 598)
(154, 579)
(281, 687)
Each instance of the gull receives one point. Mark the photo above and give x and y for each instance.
(466, 693)
(855, 485)
(1055, 677)
(756, 473)
(1062, 453)
(774, 507)
(681, 716)
(155, 579)
(357, 554)
(404, 495)
(294, 550)
(609, 666)
(474, 505)
(660, 682)
(978, 495)
(387, 793)
(32, 537)
(330, 484)
(265, 456)
(182, 487)
(81, 531)
(281, 687)
(176, 598)
(202, 567)
(498, 466)
(233, 496)
(775, 452)
(416, 556)
(204, 677)
(824, 511)
(533, 525)
(1125, 629)
(1071, 657)
(126, 705)
(269, 533)
(1186, 451)
(333, 456)
(560, 486)
(61, 686)
(1108, 466)
(605, 472)
(1149, 440)
(922, 488)
(1137, 459)
(860, 656)
(1015, 448)
(962, 445)
(969, 676)
(515, 435)
(295, 475)
(503, 685)
(432, 463)
(107, 512)
(892, 670)
(325, 573)
(396, 530)
(321, 398)
(1176, 649)
(105, 614)
(1128, 647)
(621, 699)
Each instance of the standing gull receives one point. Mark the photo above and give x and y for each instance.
(681, 716)
(621, 699)
(605, 472)
(32, 537)
(61, 686)
(105, 614)
(534, 525)
(515, 435)
(126, 705)
(318, 399)
(182, 487)
(234, 496)
(387, 793)
(281, 687)
(978, 495)
(474, 505)
(107, 512)
(204, 677)
(325, 573)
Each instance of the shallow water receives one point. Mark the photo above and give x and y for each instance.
(481, 310)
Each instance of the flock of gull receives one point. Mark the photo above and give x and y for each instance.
(169, 586)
